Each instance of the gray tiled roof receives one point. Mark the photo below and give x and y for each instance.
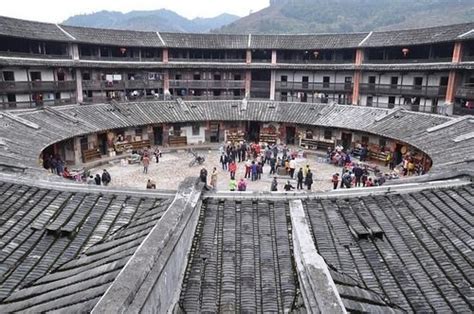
(114, 37)
(300, 42)
(205, 41)
(418, 36)
(45, 31)
(54, 227)
(423, 262)
(32, 30)
(75, 282)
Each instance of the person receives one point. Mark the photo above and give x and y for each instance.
(242, 185)
(203, 175)
(305, 171)
(335, 180)
(223, 161)
(146, 163)
(254, 169)
(150, 185)
(300, 178)
(309, 179)
(232, 169)
(358, 172)
(66, 173)
(274, 186)
(214, 178)
(369, 183)
(106, 177)
(157, 155)
(272, 166)
(97, 179)
(232, 184)
(292, 167)
(288, 187)
(346, 180)
(248, 167)
(90, 180)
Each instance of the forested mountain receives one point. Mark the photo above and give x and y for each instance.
(158, 20)
(316, 16)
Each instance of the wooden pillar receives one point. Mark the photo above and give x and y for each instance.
(79, 90)
(274, 57)
(357, 77)
(453, 79)
(165, 55)
(248, 57)
(166, 81)
(248, 82)
(272, 84)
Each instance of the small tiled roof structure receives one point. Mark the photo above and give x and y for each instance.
(205, 41)
(31, 30)
(302, 42)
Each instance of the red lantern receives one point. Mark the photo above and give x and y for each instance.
(405, 51)
(123, 50)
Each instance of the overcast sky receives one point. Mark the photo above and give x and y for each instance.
(56, 11)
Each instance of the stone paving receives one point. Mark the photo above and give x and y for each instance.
(173, 168)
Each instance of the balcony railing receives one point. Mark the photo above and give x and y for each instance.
(401, 61)
(124, 59)
(260, 85)
(36, 86)
(314, 86)
(300, 61)
(33, 55)
(33, 104)
(210, 60)
(465, 91)
(405, 90)
(207, 84)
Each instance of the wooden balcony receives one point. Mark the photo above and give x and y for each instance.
(207, 84)
(466, 91)
(314, 86)
(37, 86)
(403, 90)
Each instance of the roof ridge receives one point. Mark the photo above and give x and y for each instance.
(62, 30)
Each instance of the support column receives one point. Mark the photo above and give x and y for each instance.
(248, 57)
(165, 55)
(77, 151)
(274, 57)
(273, 76)
(248, 82)
(452, 81)
(79, 90)
(357, 77)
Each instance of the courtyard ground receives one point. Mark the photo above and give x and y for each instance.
(173, 168)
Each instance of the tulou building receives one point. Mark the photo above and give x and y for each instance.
(89, 96)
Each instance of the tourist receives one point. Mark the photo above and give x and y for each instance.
(369, 183)
(232, 169)
(90, 180)
(223, 161)
(358, 172)
(272, 166)
(292, 167)
(309, 179)
(203, 175)
(346, 180)
(106, 178)
(335, 180)
(67, 174)
(259, 171)
(305, 171)
(242, 185)
(97, 179)
(214, 178)
(157, 155)
(232, 184)
(248, 169)
(300, 178)
(150, 185)
(146, 163)
(274, 186)
(288, 187)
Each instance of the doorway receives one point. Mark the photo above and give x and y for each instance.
(346, 139)
(214, 132)
(102, 139)
(158, 135)
(253, 131)
(290, 135)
